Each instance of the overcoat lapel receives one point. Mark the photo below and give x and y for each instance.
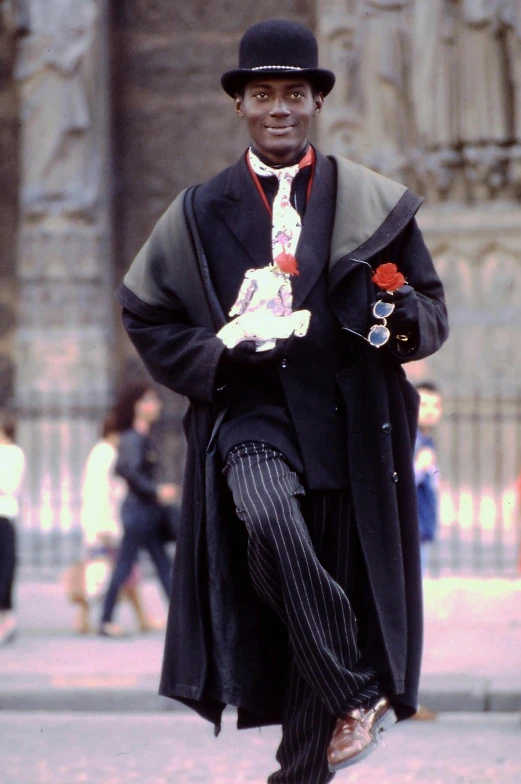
(313, 247)
(242, 209)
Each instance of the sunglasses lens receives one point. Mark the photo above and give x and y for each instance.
(378, 336)
(383, 309)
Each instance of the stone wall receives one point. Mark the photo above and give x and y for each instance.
(8, 208)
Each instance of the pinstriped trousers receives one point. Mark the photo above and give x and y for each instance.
(300, 569)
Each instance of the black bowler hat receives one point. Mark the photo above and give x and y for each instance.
(278, 47)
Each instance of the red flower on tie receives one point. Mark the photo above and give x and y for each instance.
(286, 262)
(388, 277)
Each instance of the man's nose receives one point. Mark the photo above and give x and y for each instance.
(279, 108)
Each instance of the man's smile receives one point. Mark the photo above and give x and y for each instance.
(278, 130)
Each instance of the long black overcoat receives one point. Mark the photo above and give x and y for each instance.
(223, 646)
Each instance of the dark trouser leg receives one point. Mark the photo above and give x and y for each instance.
(307, 728)
(7, 563)
(288, 575)
(130, 545)
(161, 561)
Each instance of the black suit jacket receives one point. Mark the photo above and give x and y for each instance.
(300, 413)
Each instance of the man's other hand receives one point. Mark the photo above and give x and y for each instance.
(404, 317)
(244, 356)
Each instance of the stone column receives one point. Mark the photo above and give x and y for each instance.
(64, 340)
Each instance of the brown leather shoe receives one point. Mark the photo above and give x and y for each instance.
(425, 714)
(357, 735)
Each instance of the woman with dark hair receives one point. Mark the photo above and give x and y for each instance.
(12, 467)
(143, 508)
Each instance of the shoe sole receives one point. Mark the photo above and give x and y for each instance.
(387, 721)
(9, 637)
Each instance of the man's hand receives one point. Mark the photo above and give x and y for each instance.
(404, 317)
(244, 356)
(167, 493)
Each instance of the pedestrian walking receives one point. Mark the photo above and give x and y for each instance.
(102, 494)
(426, 474)
(298, 552)
(143, 508)
(426, 471)
(12, 468)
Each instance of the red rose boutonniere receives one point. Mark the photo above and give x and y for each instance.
(286, 262)
(388, 277)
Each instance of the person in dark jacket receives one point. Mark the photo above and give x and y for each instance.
(143, 509)
(298, 555)
(426, 470)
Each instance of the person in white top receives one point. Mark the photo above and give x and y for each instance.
(12, 469)
(102, 494)
(102, 491)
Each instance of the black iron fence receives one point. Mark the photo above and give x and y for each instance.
(479, 446)
(57, 436)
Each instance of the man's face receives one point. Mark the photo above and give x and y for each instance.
(430, 408)
(279, 113)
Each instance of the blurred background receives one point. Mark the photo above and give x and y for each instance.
(109, 109)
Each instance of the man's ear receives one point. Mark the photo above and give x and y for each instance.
(238, 105)
(319, 102)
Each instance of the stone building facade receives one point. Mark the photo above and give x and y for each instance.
(430, 94)
(108, 110)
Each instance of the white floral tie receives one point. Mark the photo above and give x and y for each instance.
(286, 222)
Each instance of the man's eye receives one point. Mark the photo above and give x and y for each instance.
(297, 95)
(260, 95)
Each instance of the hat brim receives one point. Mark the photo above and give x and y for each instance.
(233, 81)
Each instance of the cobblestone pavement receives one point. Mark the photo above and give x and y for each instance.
(74, 748)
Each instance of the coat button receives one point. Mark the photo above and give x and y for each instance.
(395, 477)
(387, 427)
(284, 363)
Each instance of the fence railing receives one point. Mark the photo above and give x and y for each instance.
(479, 446)
(57, 436)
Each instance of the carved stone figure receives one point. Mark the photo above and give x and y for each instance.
(434, 89)
(509, 13)
(383, 69)
(485, 171)
(484, 101)
(54, 69)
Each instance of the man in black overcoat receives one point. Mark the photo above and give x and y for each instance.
(297, 587)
